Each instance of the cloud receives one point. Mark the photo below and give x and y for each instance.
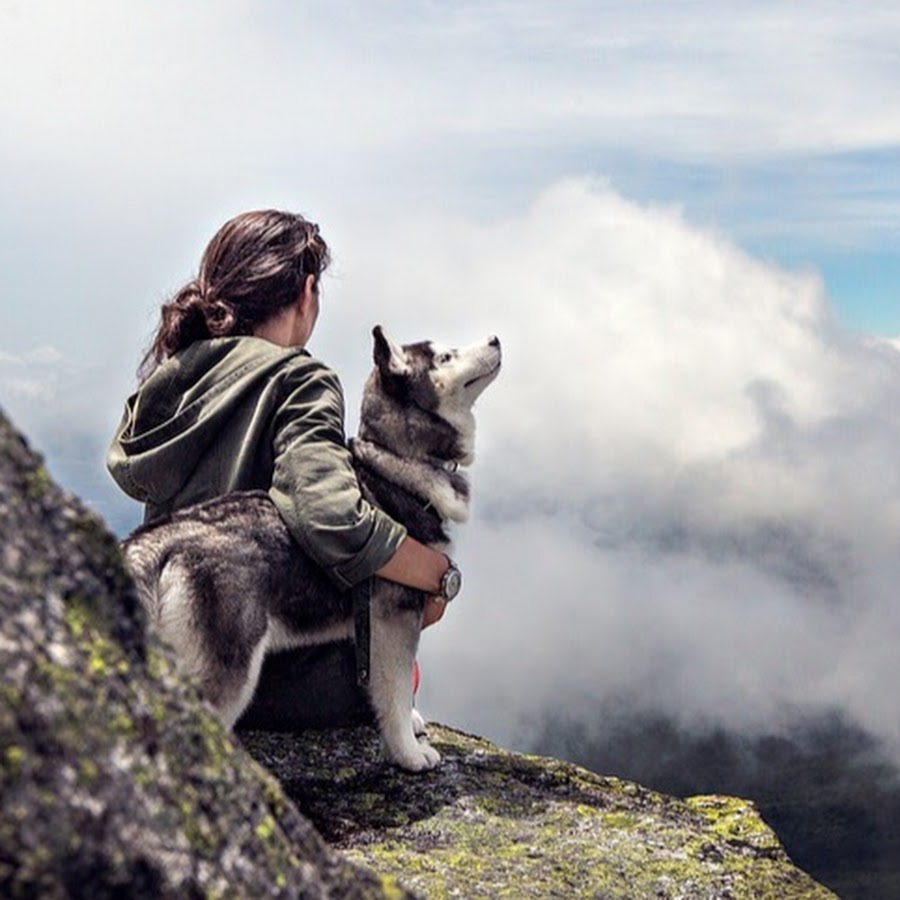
(687, 488)
(31, 376)
(686, 491)
(135, 130)
(217, 85)
(67, 410)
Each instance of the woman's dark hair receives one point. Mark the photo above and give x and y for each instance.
(255, 266)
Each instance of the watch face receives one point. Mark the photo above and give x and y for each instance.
(451, 584)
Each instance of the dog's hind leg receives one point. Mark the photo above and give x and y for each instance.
(395, 637)
(220, 638)
(235, 694)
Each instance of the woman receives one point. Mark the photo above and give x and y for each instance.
(231, 400)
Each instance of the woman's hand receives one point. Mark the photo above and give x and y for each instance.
(434, 609)
(418, 566)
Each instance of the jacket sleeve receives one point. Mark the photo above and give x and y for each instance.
(315, 486)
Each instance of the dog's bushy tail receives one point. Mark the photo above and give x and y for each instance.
(145, 566)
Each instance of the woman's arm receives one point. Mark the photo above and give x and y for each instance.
(315, 486)
(317, 493)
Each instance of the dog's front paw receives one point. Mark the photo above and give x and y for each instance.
(418, 723)
(419, 758)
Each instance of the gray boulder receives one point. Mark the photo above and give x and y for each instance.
(115, 780)
(490, 823)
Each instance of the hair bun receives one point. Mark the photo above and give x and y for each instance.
(220, 316)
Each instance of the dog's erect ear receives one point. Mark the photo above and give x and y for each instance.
(389, 356)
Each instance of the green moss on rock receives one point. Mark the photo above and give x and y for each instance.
(490, 823)
(116, 780)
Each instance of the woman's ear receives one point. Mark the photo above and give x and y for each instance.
(310, 290)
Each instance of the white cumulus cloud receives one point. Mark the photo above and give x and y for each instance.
(687, 490)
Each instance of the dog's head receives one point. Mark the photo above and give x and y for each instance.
(417, 384)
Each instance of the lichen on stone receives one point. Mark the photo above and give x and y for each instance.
(490, 823)
(116, 778)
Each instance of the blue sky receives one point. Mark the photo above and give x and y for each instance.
(774, 124)
(681, 218)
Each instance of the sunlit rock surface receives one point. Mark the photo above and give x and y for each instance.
(117, 781)
(490, 823)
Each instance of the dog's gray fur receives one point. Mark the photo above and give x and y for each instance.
(225, 584)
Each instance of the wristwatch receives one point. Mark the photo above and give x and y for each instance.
(451, 582)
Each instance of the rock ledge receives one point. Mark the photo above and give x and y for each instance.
(490, 823)
(117, 781)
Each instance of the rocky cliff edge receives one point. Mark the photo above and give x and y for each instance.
(117, 781)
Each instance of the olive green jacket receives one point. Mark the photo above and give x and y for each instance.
(240, 413)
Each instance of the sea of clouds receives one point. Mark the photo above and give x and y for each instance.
(687, 491)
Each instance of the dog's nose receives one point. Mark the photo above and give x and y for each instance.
(493, 341)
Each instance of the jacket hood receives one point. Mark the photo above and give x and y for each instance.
(173, 419)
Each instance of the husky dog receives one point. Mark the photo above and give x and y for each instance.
(416, 429)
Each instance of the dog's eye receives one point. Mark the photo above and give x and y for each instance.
(444, 358)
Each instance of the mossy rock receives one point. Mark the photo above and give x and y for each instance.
(490, 823)
(116, 780)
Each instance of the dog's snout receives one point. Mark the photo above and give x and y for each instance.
(493, 341)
